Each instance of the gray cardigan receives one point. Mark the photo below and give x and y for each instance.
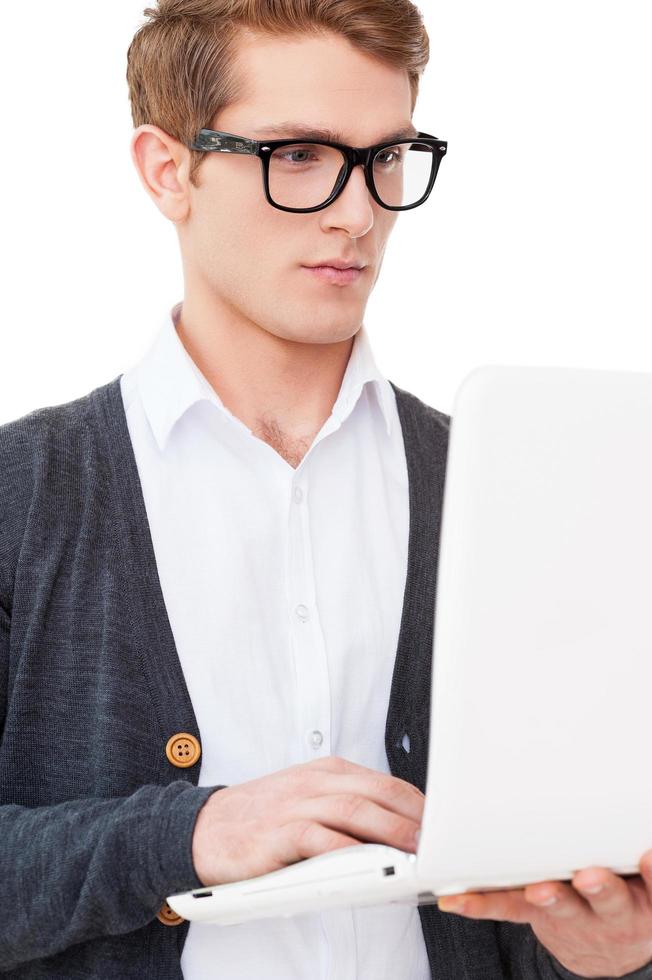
(96, 823)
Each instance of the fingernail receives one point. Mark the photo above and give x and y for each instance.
(592, 889)
(548, 901)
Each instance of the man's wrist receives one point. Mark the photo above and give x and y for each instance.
(642, 973)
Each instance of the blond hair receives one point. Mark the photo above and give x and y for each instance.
(181, 63)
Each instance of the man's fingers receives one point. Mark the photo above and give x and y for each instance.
(558, 898)
(518, 904)
(354, 814)
(608, 894)
(507, 904)
(386, 790)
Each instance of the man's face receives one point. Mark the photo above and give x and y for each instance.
(245, 258)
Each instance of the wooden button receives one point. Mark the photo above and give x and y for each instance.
(183, 750)
(168, 916)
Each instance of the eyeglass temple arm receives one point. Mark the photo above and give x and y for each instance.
(207, 139)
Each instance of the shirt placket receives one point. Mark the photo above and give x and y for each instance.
(307, 639)
(314, 697)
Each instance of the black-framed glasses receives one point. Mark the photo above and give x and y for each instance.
(399, 174)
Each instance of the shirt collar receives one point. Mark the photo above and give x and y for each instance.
(170, 382)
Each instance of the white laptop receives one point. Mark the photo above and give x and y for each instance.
(541, 707)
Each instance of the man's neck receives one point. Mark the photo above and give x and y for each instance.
(282, 390)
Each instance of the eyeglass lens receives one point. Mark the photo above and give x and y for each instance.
(303, 175)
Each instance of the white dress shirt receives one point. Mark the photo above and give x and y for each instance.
(284, 591)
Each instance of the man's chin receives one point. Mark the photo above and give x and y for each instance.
(339, 332)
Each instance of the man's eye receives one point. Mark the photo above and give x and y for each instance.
(294, 153)
(297, 154)
(382, 156)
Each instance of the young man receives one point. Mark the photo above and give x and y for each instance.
(217, 571)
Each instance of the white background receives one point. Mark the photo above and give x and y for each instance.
(534, 248)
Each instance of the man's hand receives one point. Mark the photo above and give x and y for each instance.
(603, 933)
(265, 824)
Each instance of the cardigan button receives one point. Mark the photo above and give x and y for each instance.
(183, 750)
(168, 916)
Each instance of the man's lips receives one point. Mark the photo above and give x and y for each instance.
(327, 273)
(337, 263)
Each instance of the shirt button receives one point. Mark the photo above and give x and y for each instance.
(298, 494)
(183, 750)
(168, 916)
(302, 612)
(316, 738)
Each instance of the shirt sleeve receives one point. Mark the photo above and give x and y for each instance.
(525, 958)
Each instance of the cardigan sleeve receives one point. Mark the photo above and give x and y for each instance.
(525, 958)
(89, 867)
(4, 665)
(92, 867)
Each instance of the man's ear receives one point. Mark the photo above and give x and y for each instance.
(163, 165)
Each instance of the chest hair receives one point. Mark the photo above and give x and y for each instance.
(291, 448)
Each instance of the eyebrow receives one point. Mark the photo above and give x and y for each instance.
(305, 132)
